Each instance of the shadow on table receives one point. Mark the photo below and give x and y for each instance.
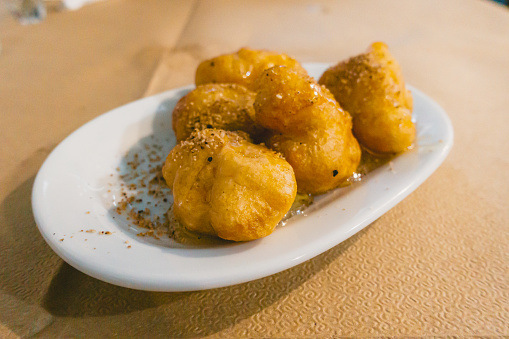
(182, 314)
(27, 264)
(75, 294)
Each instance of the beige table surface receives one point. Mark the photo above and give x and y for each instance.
(436, 264)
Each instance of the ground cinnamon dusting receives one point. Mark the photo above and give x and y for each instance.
(142, 186)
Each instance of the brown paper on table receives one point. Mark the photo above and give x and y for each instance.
(436, 264)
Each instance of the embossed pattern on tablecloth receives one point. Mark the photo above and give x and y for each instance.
(436, 264)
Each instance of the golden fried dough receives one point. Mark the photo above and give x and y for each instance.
(222, 106)
(371, 88)
(308, 127)
(226, 186)
(242, 67)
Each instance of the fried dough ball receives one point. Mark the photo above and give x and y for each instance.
(242, 67)
(222, 106)
(308, 127)
(371, 88)
(226, 186)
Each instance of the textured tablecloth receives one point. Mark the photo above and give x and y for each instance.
(436, 264)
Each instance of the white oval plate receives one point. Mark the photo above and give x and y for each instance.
(77, 189)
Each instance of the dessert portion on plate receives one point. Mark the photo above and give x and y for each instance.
(243, 67)
(308, 127)
(257, 129)
(371, 88)
(224, 106)
(225, 185)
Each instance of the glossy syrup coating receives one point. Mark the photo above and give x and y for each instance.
(226, 186)
(308, 127)
(371, 88)
(242, 67)
(222, 106)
